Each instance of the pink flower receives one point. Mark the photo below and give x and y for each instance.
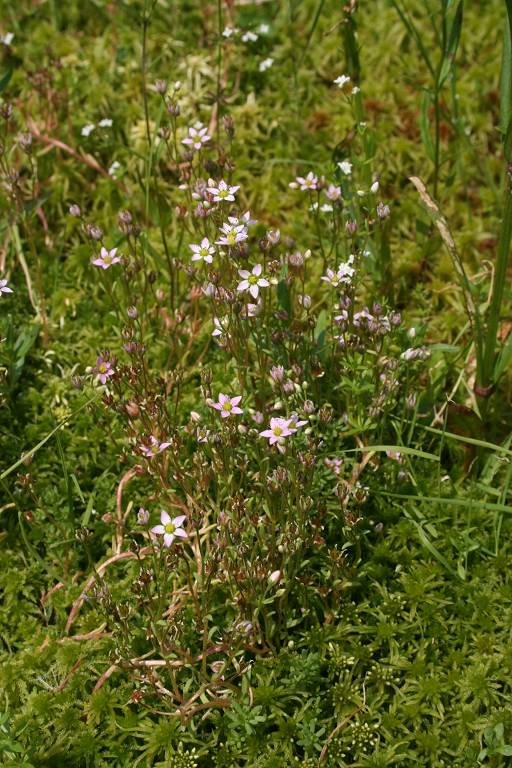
(333, 192)
(170, 528)
(197, 137)
(106, 258)
(227, 405)
(204, 251)
(103, 369)
(281, 428)
(252, 281)
(310, 182)
(4, 288)
(153, 448)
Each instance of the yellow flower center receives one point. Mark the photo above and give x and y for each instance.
(227, 405)
(169, 528)
(277, 431)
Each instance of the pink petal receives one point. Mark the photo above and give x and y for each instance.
(179, 520)
(158, 529)
(181, 533)
(236, 400)
(223, 398)
(257, 269)
(168, 539)
(244, 273)
(254, 290)
(165, 518)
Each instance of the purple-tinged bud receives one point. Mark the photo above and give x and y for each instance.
(258, 417)
(229, 125)
(288, 387)
(309, 407)
(94, 232)
(132, 312)
(25, 142)
(173, 109)
(161, 86)
(74, 210)
(351, 227)
(383, 211)
(277, 373)
(273, 236)
(143, 516)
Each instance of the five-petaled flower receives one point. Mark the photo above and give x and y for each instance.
(227, 405)
(4, 288)
(343, 274)
(153, 447)
(103, 369)
(252, 281)
(345, 167)
(308, 183)
(231, 234)
(196, 137)
(333, 192)
(106, 258)
(204, 251)
(341, 81)
(281, 428)
(170, 528)
(221, 192)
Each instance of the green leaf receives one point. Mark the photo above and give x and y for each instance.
(425, 127)
(4, 81)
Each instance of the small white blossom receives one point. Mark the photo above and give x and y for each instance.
(345, 167)
(265, 64)
(249, 37)
(204, 251)
(87, 129)
(105, 123)
(252, 281)
(221, 192)
(341, 81)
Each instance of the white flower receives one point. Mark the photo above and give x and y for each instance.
(170, 529)
(105, 123)
(345, 167)
(263, 29)
(114, 168)
(222, 192)
(196, 137)
(231, 234)
(374, 187)
(326, 208)
(7, 38)
(204, 251)
(342, 80)
(355, 90)
(265, 64)
(221, 325)
(88, 129)
(4, 288)
(249, 37)
(343, 274)
(229, 31)
(252, 281)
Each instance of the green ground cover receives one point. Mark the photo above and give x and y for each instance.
(329, 584)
